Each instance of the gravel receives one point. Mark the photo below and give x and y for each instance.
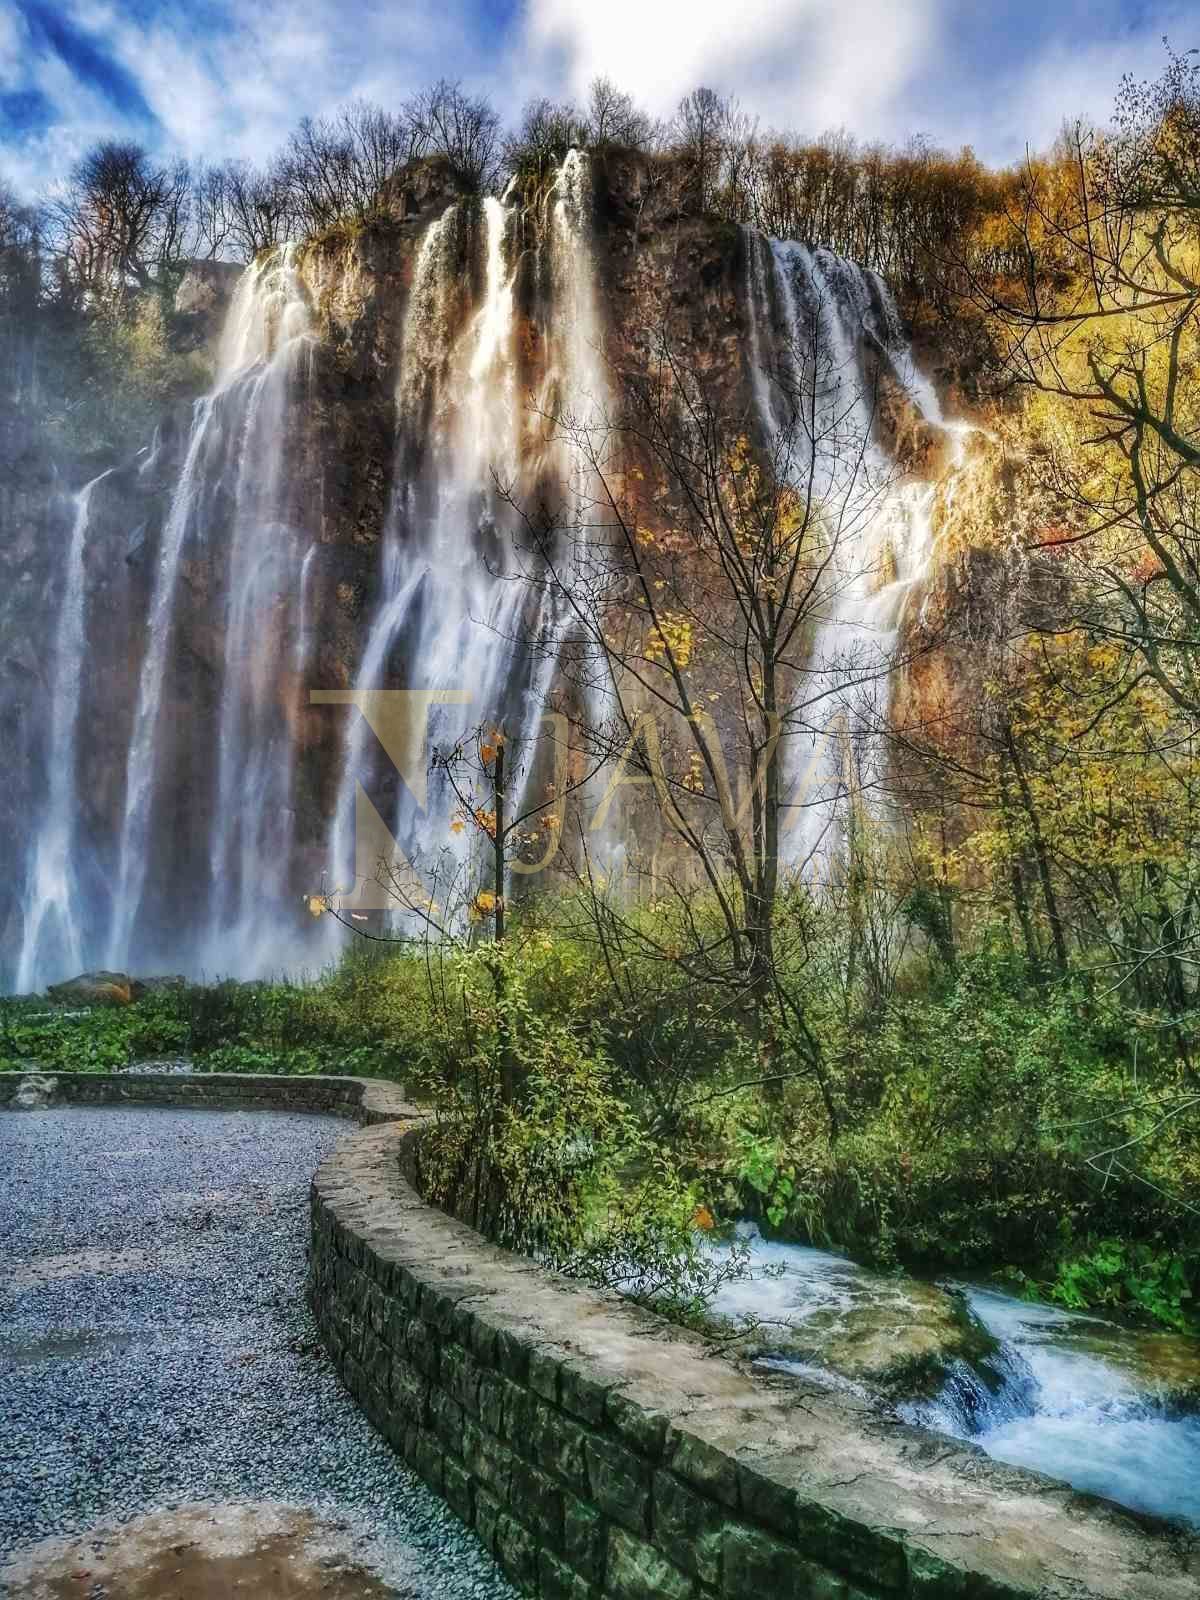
(156, 1349)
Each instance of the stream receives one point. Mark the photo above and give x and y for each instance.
(1111, 1410)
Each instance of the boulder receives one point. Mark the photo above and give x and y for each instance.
(894, 1336)
(97, 989)
(206, 288)
(33, 1092)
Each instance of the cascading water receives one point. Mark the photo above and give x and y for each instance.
(140, 766)
(250, 850)
(54, 940)
(812, 315)
(501, 377)
(238, 429)
(1070, 1395)
(451, 594)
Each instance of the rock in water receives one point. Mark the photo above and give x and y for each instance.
(894, 1336)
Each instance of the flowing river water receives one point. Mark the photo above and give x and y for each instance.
(1111, 1410)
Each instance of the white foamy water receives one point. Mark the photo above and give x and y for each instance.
(1075, 1400)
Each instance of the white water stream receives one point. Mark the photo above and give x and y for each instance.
(452, 595)
(53, 936)
(1080, 1399)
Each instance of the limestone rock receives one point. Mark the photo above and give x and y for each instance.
(33, 1092)
(206, 288)
(897, 1337)
(97, 989)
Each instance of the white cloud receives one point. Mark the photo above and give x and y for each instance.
(232, 78)
(805, 63)
(231, 85)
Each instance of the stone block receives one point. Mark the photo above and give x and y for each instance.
(636, 1571)
(704, 1466)
(428, 1459)
(756, 1564)
(642, 1430)
(585, 1538)
(618, 1483)
(486, 1459)
(558, 1443)
(688, 1528)
(487, 1514)
(518, 1416)
(458, 1490)
(557, 1581)
(422, 1347)
(538, 1501)
(446, 1420)
(582, 1391)
(543, 1374)
(516, 1550)
(512, 1355)
(490, 1403)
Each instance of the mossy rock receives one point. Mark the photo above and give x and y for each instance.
(896, 1337)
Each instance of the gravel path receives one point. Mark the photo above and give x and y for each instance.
(156, 1352)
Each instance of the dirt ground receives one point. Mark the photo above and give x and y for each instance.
(207, 1552)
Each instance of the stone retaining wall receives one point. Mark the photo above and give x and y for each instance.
(602, 1454)
(367, 1100)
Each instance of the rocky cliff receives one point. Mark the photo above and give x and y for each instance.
(323, 511)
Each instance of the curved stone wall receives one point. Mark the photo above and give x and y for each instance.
(368, 1100)
(599, 1451)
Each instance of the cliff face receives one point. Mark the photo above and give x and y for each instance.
(248, 553)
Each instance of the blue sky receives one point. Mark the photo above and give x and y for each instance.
(208, 78)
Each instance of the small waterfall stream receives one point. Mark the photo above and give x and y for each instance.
(1079, 1398)
(53, 936)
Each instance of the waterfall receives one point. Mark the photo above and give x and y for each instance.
(811, 316)
(53, 940)
(250, 847)
(242, 418)
(451, 591)
(501, 387)
(140, 764)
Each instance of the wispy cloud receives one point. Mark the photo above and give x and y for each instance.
(208, 78)
(808, 63)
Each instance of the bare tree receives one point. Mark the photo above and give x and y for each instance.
(547, 131)
(699, 131)
(462, 128)
(122, 220)
(692, 575)
(259, 209)
(613, 119)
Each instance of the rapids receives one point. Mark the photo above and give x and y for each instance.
(1110, 1410)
